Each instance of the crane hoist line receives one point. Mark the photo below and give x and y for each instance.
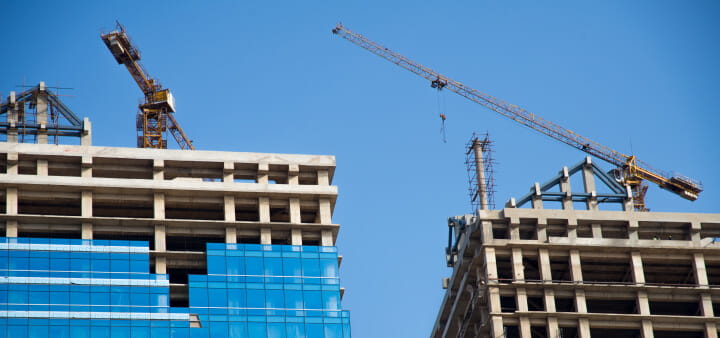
(630, 171)
(155, 115)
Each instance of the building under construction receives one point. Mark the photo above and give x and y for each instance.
(579, 261)
(106, 241)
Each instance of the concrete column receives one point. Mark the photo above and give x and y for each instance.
(525, 327)
(491, 266)
(87, 231)
(572, 229)
(575, 267)
(596, 230)
(487, 233)
(695, 228)
(86, 204)
(158, 170)
(295, 210)
(518, 266)
(262, 176)
(647, 329)
(567, 203)
(521, 299)
(86, 138)
(295, 237)
(12, 163)
(637, 266)
(323, 177)
(42, 114)
(230, 234)
(633, 226)
(589, 184)
(706, 304)
(643, 303)
(580, 303)
(325, 212)
(542, 230)
(537, 202)
(11, 228)
(228, 171)
(477, 147)
(711, 330)
(514, 229)
(229, 207)
(549, 299)
(495, 310)
(86, 166)
(553, 329)
(11, 201)
(12, 119)
(264, 209)
(700, 272)
(42, 167)
(160, 246)
(159, 205)
(293, 173)
(584, 328)
(544, 261)
(326, 238)
(265, 236)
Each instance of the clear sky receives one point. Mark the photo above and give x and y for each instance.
(637, 76)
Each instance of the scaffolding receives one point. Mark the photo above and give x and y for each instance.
(481, 181)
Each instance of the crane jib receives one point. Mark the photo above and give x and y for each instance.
(634, 171)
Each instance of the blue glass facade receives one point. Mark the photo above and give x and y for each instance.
(100, 288)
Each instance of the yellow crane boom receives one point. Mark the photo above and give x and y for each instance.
(155, 116)
(631, 171)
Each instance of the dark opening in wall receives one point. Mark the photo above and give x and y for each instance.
(568, 332)
(536, 304)
(197, 243)
(308, 176)
(309, 212)
(531, 269)
(122, 168)
(280, 241)
(511, 331)
(508, 304)
(49, 203)
(560, 268)
(564, 304)
(621, 306)
(50, 234)
(27, 164)
(278, 173)
(615, 231)
(179, 294)
(142, 207)
(557, 230)
(246, 209)
(675, 308)
(64, 166)
(249, 239)
(504, 269)
(311, 241)
(149, 238)
(279, 210)
(615, 333)
(664, 231)
(528, 229)
(194, 210)
(500, 231)
(669, 273)
(713, 272)
(584, 231)
(606, 270)
(538, 331)
(678, 334)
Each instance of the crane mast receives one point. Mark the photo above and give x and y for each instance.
(630, 171)
(155, 113)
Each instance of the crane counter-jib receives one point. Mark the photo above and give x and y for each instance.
(633, 173)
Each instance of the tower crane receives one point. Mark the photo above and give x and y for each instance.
(155, 115)
(630, 171)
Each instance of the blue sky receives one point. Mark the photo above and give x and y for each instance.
(637, 76)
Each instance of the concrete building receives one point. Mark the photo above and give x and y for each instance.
(105, 241)
(590, 267)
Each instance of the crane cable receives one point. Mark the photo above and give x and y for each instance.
(441, 109)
